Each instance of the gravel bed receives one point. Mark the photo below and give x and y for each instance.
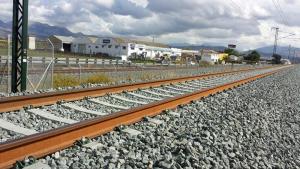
(128, 96)
(117, 101)
(60, 111)
(252, 126)
(30, 121)
(96, 107)
(161, 92)
(147, 94)
(6, 135)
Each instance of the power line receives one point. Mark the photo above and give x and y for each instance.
(280, 12)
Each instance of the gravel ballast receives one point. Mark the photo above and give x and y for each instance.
(252, 126)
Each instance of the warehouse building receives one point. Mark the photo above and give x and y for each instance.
(61, 43)
(121, 47)
(84, 45)
(115, 47)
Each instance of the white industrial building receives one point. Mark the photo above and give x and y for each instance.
(84, 45)
(115, 47)
(122, 47)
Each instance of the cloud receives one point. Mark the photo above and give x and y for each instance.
(191, 21)
(128, 8)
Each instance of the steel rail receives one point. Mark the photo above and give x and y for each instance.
(18, 102)
(42, 144)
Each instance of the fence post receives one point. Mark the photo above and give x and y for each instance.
(95, 61)
(44, 61)
(30, 61)
(67, 61)
(110, 62)
(86, 61)
(77, 60)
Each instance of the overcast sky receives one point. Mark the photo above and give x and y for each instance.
(246, 23)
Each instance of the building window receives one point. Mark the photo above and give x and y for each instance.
(117, 46)
(97, 47)
(109, 46)
(106, 41)
(132, 48)
(141, 48)
(89, 46)
(74, 45)
(103, 46)
(124, 47)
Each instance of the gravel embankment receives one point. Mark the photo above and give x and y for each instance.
(253, 126)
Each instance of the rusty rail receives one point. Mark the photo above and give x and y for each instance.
(18, 102)
(39, 145)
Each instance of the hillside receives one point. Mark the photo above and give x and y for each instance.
(39, 30)
(197, 47)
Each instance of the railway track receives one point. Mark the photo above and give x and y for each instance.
(76, 70)
(60, 125)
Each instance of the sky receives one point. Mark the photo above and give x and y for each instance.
(246, 23)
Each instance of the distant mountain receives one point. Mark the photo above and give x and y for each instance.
(197, 47)
(267, 51)
(40, 30)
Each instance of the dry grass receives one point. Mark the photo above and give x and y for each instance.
(71, 81)
(65, 81)
(205, 64)
(98, 78)
(146, 76)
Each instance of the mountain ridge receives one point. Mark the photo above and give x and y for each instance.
(40, 30)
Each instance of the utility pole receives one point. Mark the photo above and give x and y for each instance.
(19, 46)
(276, 39)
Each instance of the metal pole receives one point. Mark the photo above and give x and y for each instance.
(25, 46)
(19, 45)
(14, 73)
(79, 73)
(8, 55)
(52, 69)
(276, 40)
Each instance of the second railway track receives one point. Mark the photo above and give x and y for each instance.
(90, 117)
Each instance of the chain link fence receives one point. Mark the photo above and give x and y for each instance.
(40, 66)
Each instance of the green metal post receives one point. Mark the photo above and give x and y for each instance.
(19, 46)
(14, 63)
(25, 46)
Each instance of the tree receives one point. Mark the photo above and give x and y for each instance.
(276, 59)
(231, 52)
(254, 56)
